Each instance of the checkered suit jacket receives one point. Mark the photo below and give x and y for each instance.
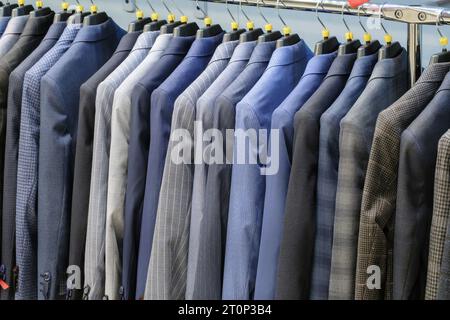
(376, 229)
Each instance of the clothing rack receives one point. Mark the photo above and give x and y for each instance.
(413, 16)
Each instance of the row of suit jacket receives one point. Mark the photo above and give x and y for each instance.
(92, 179)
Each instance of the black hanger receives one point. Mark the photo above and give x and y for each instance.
(186, 30)
(351, 46)
(233, 35)
(440, 57)
(369, 48)
(209, 31)
(77, 17)
(250, 35)
(390, 50)
(7, 9)
(154, 26)
(270, 36)
(168, 28)
(40, 12)
(22, 10)
(327, 45)
(138, 25)
(288, 40)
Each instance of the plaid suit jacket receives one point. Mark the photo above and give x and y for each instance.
(441, 215)
(376, 229)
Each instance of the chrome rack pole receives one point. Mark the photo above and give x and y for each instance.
(413, 16)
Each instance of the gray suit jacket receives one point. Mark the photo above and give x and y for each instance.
(386, 84)
(376, 228)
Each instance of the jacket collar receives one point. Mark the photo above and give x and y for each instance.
(204, 47)
(145, 40)
(445, 86)
(37, 26)
(435, 72)
(342, 65)
(70, 32)
(55, 31)
(290, 54)
(320, 64)
(179, 45)
(3, 24)
(243, 51)
(16, 25)
(389, 68)
(127, 42)
(97, 32)
(363, 66)
(224, 51)
(262, 52)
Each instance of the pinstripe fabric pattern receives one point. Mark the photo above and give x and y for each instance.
(328, 162)
(201, 250)
(254, 111)
(120, 133)
(27, 173)
(441, 214)
(12, 33)
(444, 276)
(414, 209)
(100, 160)
(376, 229)
(386, 84)
(167, 270)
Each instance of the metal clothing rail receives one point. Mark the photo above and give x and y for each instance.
(413, 16)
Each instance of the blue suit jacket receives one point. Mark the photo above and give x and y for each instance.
(60, 92)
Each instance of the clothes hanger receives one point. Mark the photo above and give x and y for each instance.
(327, 45)
(185, 29)
(79, 15)
(40, 11)
(288, 38)
(6, 10)
(140, 22)
(95, 17)
(169, 27)
(64, 14)
(269, 35)
(210, 30)
(22, 9)
(444, 55)
(252, 34)
(155, 24)
(350, 46)
(390, 50)
(370, 47)
(235, 31)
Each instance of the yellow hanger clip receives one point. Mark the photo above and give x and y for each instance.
(139, 14)
(443, 41)
(388, 38)
(268, 27)
(171, 17)
(21, 3)
(154, 16)
(234, 25)
(39, 4)
(349, 36)
(250, 25)
(286, 31)
(64, 6)
(183, 19)
(207, 21)
(325, 34)
(367, 37)
(93, 9)
(79, 8)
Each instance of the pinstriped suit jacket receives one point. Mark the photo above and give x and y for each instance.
(254, 111)
(12, 33)
(386, 84)
(376, 228)
(27, 174)
(83, 155)
(167, 270)
(101, 145)
(200, 247)
(441, 216)
(418, 152)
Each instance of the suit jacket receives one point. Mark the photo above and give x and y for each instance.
(83, 155)
(387, 83)
(166, 277)
(376, 228)
(200, 229)
(297, 243)
(138, 227)
(3, 24)
(441, 215)
(27, 163)
(60, 93)
(12, 33)
(277, 184)
(418, 153)
(441, 211)
(328, 173)
(102, 126)
(219, 174)
(254, 111)
(120, 128)
(33, 32)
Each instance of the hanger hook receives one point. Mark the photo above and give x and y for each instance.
(260, 11)
(243, 11)
(344, 6)
(359, 19)
(319, 3)
(197, 5)
(166, 6)
(151, 7)
(178, 8)
(278, 12)
(381, 18)
(229, 12)
(438, 23)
